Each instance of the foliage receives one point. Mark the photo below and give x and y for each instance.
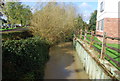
(17, 13)
(53, 22)
(79, 22)
(92, 21)
(25, 59)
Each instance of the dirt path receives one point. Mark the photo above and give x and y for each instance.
(64, 63)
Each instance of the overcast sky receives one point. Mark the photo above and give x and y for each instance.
(85, 8)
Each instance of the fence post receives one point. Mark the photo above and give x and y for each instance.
(92, 39)
(81, 33)
(77, 32)
(85, 34)
(103, 50)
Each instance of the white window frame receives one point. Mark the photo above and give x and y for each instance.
(100, 26)
(101, 6)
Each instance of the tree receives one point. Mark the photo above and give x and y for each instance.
(79, 22)
(92, 21)
(26, 15)
(17, 13)
(53, 22)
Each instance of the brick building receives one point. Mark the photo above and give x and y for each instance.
(108, 19)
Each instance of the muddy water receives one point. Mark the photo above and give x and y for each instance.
(64, 63)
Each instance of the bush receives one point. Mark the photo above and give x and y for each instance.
(24, 59)
(53, 22)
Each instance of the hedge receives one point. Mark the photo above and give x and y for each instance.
(14, 35)
(25, 59)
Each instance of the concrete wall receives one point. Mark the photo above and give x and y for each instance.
(93, 68)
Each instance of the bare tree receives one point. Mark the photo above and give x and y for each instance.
(53, 21)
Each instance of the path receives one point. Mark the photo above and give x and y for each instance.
(64, 63)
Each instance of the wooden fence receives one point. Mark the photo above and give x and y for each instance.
(83, 36)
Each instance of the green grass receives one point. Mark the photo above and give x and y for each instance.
(114, 45)
(112, 53)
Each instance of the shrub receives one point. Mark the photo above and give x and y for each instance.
(53, 22)
(24, 59)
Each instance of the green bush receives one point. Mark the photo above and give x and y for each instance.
(24, 59)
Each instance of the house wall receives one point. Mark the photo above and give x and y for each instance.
(111, 16)
(111, 27)
(110, 9)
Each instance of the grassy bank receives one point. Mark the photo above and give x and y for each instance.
(112, 53)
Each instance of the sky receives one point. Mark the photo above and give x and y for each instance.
(83, 8)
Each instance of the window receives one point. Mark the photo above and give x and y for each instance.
(101, 7)
(98, 25)
(101, 25)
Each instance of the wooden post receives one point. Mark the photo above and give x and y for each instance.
(103, 50)
(92, 39)
(74, 36)
(77, 33)
(85, 34)
(81, 33)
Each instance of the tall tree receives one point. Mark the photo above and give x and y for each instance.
(92, 22)
(17, 13)
(80, 24)
(54, 21)
(26, 15)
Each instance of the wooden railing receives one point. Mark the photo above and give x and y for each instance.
(83, 36)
